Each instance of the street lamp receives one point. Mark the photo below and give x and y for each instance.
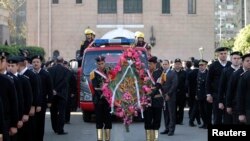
(152, 38)
(220, 21)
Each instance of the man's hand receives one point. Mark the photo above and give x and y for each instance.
(1, 137)
(242, 118)
(49, 105)
(229, 110)
(19, 124)
(54, 92)
(13, 131)
(167, 98)
(32, 111)
(221, 106)
(25, 118)
(209, 99)
(38, 109)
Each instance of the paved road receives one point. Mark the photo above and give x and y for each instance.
(81, 131)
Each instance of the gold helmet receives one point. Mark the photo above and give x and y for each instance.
(140, 35)
(136, 33)
(88, 31)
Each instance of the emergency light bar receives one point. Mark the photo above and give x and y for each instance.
(100, 42)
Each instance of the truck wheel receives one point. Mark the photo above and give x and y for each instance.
(86, 116)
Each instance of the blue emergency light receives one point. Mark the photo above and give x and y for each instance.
(100, 42)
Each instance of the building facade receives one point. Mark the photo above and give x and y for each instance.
(179, 27)
(4, 30)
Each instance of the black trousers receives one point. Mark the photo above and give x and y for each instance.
(103, 115)
(194, 113)
(40, 123)
(180, 104)
(6, 129)
(203, 109)
(152, 118)
(28, 131)
(68, 110)
(170, 115)
(57, 111)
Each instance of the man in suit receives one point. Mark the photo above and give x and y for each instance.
(212, 83)
(60, 82)
(169, 85)
(1, 120)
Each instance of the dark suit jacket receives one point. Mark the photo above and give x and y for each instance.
(169, 87)
(1, 117)
(60, 80)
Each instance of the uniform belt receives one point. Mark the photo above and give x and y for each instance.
(157, 96)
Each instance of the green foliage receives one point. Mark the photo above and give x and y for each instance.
(228, 43)
(242, 41)
(15, 50)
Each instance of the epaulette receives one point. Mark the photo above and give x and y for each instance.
(26, 76)
(92, 75)
(163, 77)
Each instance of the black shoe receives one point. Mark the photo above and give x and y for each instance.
(203, 126)
(67, 122)
(170, 133)
(164, 132)
(191, 124)
(62, 133)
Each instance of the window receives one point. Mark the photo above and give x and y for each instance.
(191, 6)
(78, 1)
(166, 6)
(132, 6)
(55, 1)
(107, 6)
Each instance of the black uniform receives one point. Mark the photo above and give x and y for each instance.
(24, 132)
(60, 82)
(45, 97)
(152, 115)
(84, 46)
(102, 108)
(204, 106)
(212, 87)
(193, 103)
(1, 117)
(180, 96)
(231, 93)
(141, 44)
(223, 86)
(10, 105)
(243, 96)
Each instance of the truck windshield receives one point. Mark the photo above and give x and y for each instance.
(112, 58)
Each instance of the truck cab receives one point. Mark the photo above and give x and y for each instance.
(112, 49)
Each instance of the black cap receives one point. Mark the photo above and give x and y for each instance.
(245, 56)
(100, 58)
(37, 57)
(65, 62)
(196, 63)
(153, 59)
(4, 54)
(222, 49)
(203, 62)
(177, 60)
(13, 60)
(236, 53)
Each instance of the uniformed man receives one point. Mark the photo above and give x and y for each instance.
(35, 87)
(180, 91)
(14, 67)
(152, 115)
(243, 93)
(203, 105)
(224, 81)
(46, 94)
(212, 82)
(102, 108)
(231, 95)
(9, 99)
(60, 82)
(89, 39)
(1, 120)
(169, 85)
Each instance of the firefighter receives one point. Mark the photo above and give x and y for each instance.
(90, 34)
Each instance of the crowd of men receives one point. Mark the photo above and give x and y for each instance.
(27, 89)
(215, 94)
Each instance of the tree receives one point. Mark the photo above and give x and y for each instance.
(228, 43)
(242, 41)
(18, 31)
